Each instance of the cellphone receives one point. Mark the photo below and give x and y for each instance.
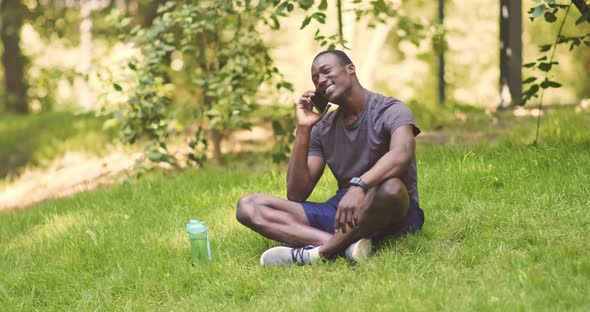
(319, 101)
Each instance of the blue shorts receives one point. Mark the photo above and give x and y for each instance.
(323, 216)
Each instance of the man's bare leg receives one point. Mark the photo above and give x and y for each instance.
(279, 219)
(385, 206)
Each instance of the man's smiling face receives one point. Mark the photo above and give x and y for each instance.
(331, 76)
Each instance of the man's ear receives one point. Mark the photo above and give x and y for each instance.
(350, 68)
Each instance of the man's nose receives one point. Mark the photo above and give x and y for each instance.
(322, 82)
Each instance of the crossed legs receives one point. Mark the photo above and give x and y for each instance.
(279, 219)
(384, 208)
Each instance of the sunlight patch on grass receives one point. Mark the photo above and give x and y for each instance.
(177, 239)
(53, 227)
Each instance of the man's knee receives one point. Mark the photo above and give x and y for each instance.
(393, 190)
(246, 209)
(393, 194)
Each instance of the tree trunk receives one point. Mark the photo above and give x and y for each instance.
(15, 96)
(510, 52)
(371, 53)
(216, 135)
(149, 11)
(216, 138)
(349, 23)
(122, 6)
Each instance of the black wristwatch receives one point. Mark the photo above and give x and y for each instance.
(359, 182)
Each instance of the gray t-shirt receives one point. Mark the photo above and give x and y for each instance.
(351, 150)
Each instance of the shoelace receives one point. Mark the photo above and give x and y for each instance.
(298, 253)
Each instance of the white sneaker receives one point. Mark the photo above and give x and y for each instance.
(285, 255)
(360, 250)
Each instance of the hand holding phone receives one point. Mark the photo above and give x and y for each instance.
(319, 101)
(305, 114)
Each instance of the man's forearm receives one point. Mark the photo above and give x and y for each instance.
(393, 164)
(298, 176)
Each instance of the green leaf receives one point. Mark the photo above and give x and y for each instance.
(277, 128)
(545, 48)
(529, 80)
(281, 8)
(533, 89)
(550, 17)
(132, 66)
(550, 84)
(126, 21)
(575, 42)
(275, 22)
(537, 11)
(545, 66)
(155, 156)
(305, 4)
(166, 6)
(529, 65)
(587, 43)
(306, 21)
(528, 94)
(320, 17)
(117, 87)
(286, 85)
(542, 58)
(323, 5)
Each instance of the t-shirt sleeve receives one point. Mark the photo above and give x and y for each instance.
(315, 146)
(397, 114)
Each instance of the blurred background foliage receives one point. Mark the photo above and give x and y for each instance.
(193, 74)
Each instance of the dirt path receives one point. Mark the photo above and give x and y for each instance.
(72, 173)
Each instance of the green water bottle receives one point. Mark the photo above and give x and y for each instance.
(200, 249)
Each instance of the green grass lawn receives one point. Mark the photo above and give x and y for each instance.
(507, 228)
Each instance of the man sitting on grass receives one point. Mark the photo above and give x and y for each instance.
(369, 145)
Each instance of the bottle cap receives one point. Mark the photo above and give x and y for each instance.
(196, 227)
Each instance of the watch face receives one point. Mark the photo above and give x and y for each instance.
(355, 180)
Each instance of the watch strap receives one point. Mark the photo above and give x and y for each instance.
(359, 182)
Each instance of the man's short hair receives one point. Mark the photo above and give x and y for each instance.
(340, 54)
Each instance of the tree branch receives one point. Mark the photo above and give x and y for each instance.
(547, 73)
